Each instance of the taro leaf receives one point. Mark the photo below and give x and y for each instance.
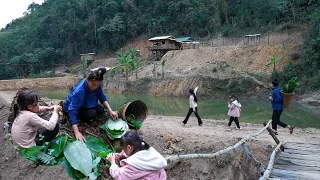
(69, 169)
(79, 157)
(97, 146)
(57, 145)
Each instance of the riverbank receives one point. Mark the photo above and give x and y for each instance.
(213, 136)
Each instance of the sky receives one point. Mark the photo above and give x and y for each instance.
(13, 9)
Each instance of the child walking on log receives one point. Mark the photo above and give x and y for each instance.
(234, 111)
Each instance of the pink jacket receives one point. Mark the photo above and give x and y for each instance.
(143, 165)
(234, 109)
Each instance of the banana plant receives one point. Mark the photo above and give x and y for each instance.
(125, 62)
(273, 61)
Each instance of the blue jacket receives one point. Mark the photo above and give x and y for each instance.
(276, 99)
(80, 97)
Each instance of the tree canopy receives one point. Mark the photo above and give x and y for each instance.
(59, 30)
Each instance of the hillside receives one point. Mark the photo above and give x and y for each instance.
(225, 69)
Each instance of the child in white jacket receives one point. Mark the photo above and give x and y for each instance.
(234, 111)
(138, 160)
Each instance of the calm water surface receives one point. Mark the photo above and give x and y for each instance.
(253, 111)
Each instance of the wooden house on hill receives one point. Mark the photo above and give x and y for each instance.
(187, 42)
(162, 44)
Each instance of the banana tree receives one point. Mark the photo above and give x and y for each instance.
(273, 61)
(125, 62)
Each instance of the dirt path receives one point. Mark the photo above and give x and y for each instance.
(158, 130)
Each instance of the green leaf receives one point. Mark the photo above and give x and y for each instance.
(47, 159)
(92, 176)
(69, 169)
(31, 154)
(97, 147)
(57, 145)
(79, 157)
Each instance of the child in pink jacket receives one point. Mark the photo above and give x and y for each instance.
(137, 160)
(234, 111)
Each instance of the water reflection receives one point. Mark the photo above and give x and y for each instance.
(252, 111)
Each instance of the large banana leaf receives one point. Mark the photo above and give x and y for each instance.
(79, 157)
(57, 145)
(97, 146)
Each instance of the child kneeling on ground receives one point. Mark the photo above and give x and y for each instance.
(137, 160)
(26, 123)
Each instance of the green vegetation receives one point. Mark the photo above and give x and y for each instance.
(80, 159)
(290, 86)
(128, 61)
(58, 31)
(307, 66)
(163, 63)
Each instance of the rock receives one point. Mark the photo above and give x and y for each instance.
(168, 144)
(169, 138)
(6, 159)
(7, 136)
(205, 169)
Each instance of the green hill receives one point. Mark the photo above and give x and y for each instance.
(57, 31)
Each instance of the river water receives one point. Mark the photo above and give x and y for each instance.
(253, 111)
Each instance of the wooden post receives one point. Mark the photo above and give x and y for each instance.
(274, 137)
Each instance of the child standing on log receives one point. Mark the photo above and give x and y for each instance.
(26, 122)
(137, 160)
(193, 106)
(276, 102)
(234, 111)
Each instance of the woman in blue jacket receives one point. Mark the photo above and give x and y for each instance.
(82, 101)
(276, 102)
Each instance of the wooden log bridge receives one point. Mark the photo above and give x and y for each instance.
(298, 161)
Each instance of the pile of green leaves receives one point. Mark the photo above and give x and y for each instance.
(115, 129)
(133, 122)
(290, 86)
(80, 159)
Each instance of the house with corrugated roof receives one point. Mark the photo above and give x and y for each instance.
(162, 44)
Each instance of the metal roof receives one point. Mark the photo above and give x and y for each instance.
(161, 38)
(183, 39)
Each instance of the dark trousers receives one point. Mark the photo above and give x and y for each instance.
(276, 119)
(235, 119)
(90, 114)
(46, 136)
(189, 113)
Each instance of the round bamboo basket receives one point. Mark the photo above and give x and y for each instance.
(137, 109)
(286, 99)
